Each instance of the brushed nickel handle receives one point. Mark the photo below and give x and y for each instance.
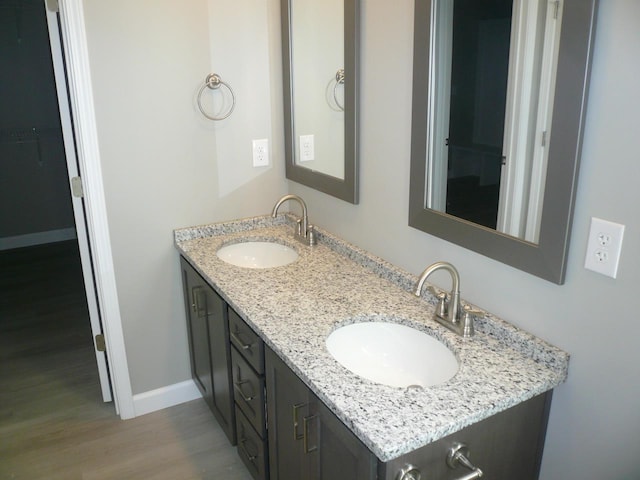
(241, 444)
(305, 432)
(235, 337)
(458, 456)
(296, 423)
(238, 387)
(409, 472)
(195, 303)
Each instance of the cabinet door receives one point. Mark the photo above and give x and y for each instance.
(339, 453)
(220, 352)
(287, 405)
(306, 440)
(198, 330)
(209, 348)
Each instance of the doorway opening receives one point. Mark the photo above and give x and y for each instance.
(48, 294)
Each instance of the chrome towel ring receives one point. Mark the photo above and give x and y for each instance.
(213, 81)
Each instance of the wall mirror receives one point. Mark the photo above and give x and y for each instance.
(320, 78)
(499, 101)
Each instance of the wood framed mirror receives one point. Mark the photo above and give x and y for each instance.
(558, 135)
(320, 45)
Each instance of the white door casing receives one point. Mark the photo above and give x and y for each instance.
(78, 76)
(78, 208)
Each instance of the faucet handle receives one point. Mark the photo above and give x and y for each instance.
(436, 293)
(443, 305)
(468, 328)
(311, 234)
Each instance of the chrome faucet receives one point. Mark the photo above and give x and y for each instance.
(449, 312)
(305, 231)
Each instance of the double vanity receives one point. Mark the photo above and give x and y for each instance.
(324, 363)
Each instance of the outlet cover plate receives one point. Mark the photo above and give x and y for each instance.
(307, 148)
(604, 247)
(261, 152)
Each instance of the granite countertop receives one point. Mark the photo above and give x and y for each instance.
(295, 307)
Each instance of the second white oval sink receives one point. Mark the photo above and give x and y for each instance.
(257, 254)
(392, 354)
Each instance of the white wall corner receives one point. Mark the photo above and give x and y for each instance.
(165, 397)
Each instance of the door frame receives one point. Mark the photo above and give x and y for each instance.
(77, 204)
(81, 101)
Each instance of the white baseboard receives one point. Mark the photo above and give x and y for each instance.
(39, 238)
(165, 397)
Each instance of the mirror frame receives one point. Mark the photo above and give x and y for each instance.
(347, 188)
(548, 258)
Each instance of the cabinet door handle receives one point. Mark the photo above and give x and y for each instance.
(305, 431)
(235, 336)
(296, 435)
(238, 387)
(195, 302)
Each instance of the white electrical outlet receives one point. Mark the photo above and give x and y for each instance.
(604, 247)
(261, 153)
(307, 152)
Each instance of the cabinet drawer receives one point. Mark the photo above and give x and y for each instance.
(248, 343)
(248, 392)
(251, 448)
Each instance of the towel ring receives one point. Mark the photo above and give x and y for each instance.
(339, 81)
(213, 81)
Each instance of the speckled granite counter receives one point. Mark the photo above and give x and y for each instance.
(294, 308)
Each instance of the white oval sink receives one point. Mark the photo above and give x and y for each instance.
(257, 254)
(392, 354)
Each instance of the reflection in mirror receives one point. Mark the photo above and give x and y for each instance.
(499, 99)
(320, 41)
(317, 54)
(494, 65)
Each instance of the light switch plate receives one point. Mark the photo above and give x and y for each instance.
(604, 247)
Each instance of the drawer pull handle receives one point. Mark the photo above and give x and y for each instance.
(238, 387)
(409, 472)
(305, 430)
(236, 338)
(241, 444)
(458, 456)
(296, 423)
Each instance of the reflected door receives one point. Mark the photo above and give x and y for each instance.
(478, 91)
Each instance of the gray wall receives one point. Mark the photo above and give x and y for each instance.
(160, 161)
(162, 171)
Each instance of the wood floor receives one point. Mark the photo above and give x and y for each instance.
(53, 423)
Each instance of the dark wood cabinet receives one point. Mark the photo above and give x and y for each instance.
(209, 347)
(252, 448)
(306, 440)
(505, 446)
(285, 432)
(249, 392)
(247, 372)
